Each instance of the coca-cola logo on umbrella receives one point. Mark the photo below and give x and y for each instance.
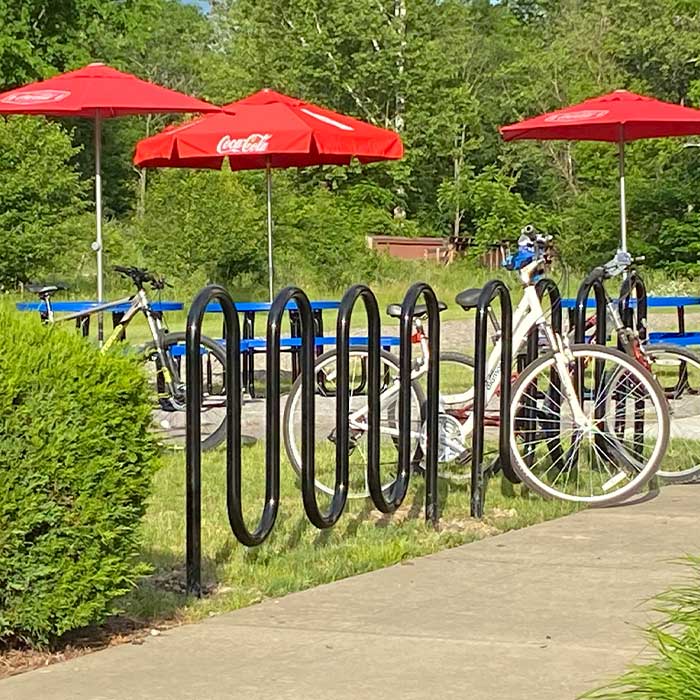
(253, 143)
(32, 97)
(580, 115)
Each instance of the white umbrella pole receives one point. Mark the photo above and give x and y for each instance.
(269, 231)
(97, 245)
(623, 203)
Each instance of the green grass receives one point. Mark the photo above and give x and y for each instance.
(674, 671)
(297, 556)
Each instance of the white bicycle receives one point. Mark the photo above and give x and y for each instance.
(588, 423)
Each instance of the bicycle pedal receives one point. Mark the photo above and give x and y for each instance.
(464, 457)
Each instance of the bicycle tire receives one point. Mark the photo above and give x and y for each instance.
(589, 355)
(291, 448)
(218, 435)
(679, 423)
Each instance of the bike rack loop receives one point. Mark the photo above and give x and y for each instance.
(193, 369)
(491, 290)
(550, 288)
(636, 319)
(308, 409)
(399, 488)
(592, 282)
(373, 384)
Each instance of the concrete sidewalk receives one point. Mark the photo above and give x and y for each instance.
(543, 613)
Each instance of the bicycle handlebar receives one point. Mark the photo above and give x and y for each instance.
(141, 276)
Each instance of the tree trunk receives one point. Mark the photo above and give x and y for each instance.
(400, 99)
(458, 162)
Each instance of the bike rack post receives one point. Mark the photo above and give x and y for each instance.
(491, 290)
(636, 318)
(307, 333)
(631, 317)
(591, 283)
(594, 283)
(372, 385)
(399, 488)
(548, 287)
(193, 368)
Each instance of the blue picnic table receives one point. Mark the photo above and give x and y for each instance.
(84, 307)
(74, 307)
(679, 337)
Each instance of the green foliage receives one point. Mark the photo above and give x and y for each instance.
(76, 461)
(444, 73)
(209, 224)
(675, 672)
(490, 207)
(41, 196)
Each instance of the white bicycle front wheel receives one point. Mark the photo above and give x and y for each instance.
(325, 397)
(598, 445)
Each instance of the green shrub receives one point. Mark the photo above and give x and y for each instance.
(76, 460)
(675, 672)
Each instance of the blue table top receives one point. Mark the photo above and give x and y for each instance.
(78, 306)
(255, 306)
(659, 302)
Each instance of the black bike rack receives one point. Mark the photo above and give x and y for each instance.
(592, 283)
(193, 446)
(306, 329)
(634, 317)
(398, 490)
(545, 287)
(491, 290)
(528, 420)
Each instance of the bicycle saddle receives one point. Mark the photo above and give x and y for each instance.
(420, 310)
(45, 290)
(469, 298)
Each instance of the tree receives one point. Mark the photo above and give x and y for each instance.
(42, 196)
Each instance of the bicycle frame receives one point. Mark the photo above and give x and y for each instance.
(529, 314)
(139, 302)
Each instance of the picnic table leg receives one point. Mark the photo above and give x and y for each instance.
(681, 319)
(295, 327)
(82, 324)
(249, 355)
(318, 323)
(117, 317)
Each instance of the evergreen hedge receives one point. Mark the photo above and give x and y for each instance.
(76, 461)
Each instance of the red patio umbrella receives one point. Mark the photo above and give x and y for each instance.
(617, 117)
(268, 130)
(97, 92)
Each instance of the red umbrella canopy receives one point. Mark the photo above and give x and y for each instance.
(618, 116)
(97, 90)
(269, 129)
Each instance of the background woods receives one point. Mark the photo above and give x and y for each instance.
(445, 74)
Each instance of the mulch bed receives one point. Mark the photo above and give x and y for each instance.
(17, 658)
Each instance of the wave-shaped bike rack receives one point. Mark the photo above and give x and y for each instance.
(386, 503)
(495, 289)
